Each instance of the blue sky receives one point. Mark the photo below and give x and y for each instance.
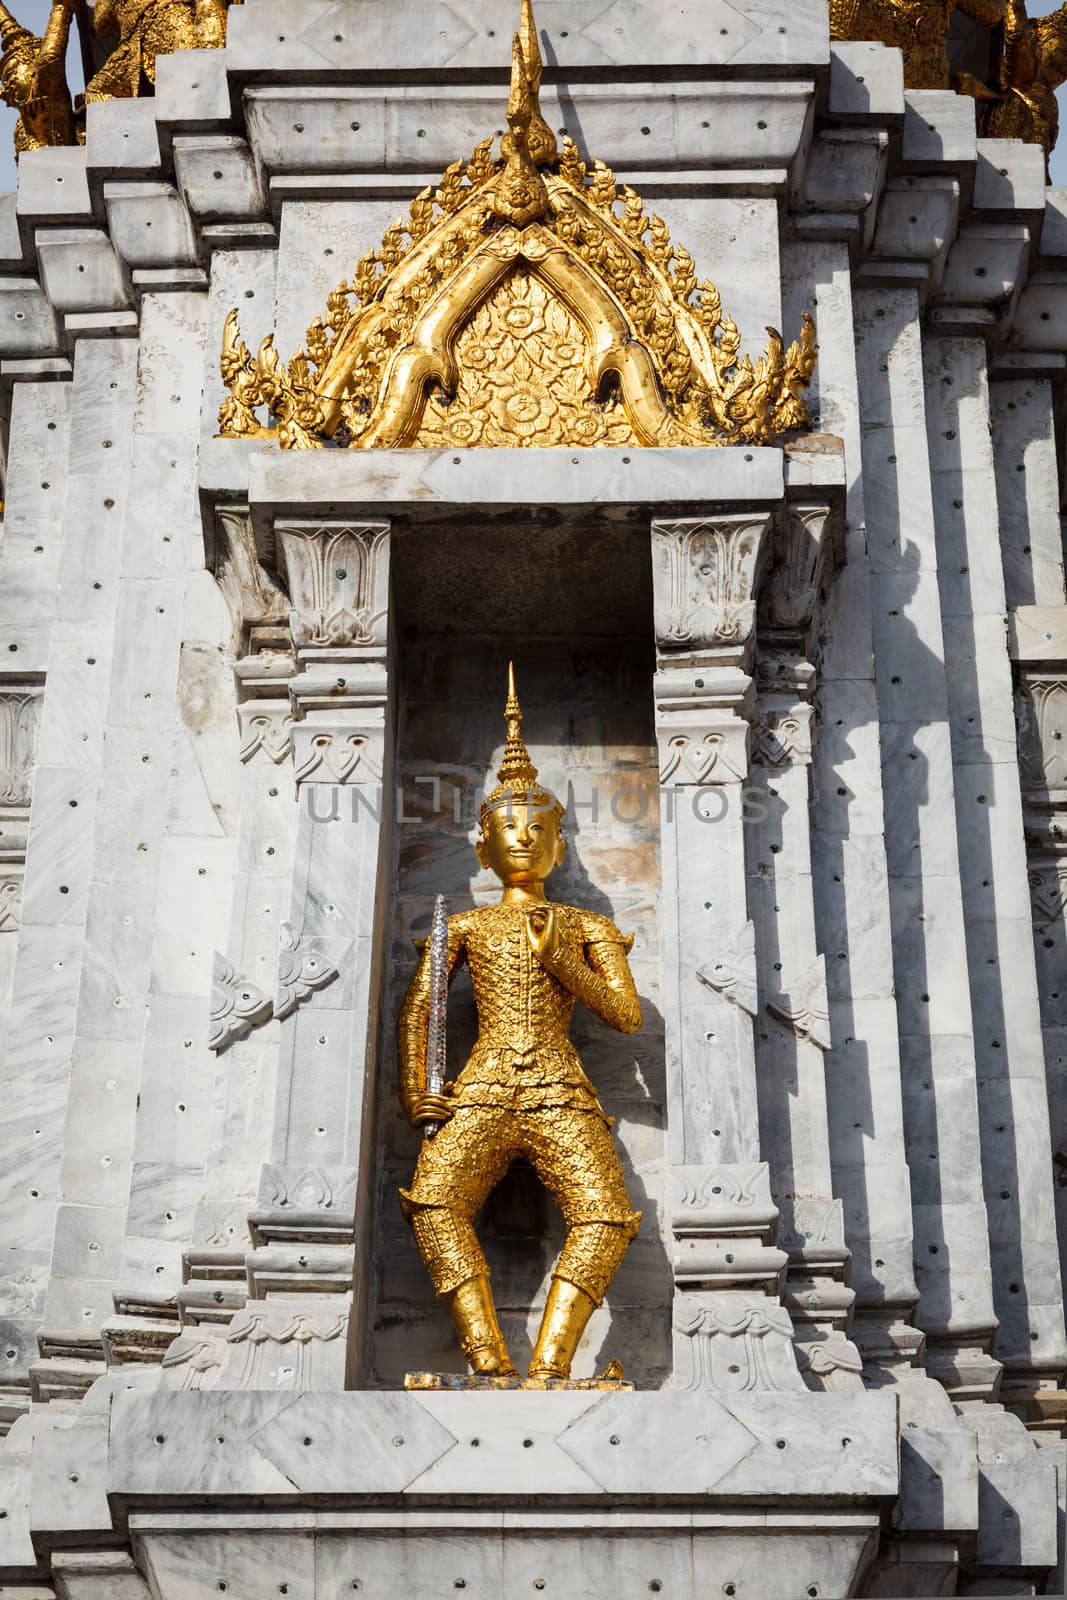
(34, 13)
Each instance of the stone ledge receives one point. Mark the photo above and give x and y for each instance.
(227, 1447)
(284, 483)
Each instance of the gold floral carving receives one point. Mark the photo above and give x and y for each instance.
(526, 300)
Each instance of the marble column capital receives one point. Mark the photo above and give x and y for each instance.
(338, 574)
(705, 575)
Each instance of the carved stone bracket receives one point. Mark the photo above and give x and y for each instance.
(301, 971)
(805, 1007)
(338, 580)
(705, 576)
(236, 1005)
(733, 973)
(733, 1344)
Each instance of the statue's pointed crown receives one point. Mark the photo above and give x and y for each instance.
(516, 774)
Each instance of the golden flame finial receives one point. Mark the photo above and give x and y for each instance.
(540, 139)
(516, 767)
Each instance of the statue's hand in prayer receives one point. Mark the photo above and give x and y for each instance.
(542, 931)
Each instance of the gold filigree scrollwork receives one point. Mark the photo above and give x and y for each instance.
(524, 301)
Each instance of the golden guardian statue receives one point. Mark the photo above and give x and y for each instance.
(523, 1091)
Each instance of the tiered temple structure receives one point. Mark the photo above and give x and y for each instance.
(288, 482)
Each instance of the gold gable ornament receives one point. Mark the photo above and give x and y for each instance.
(518, 307)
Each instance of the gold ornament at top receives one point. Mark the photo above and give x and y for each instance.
(523, 1091)
(33, 75)
(517, 306)
(1018, 101)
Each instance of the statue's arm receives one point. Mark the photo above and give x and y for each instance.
(603, 981)
(414, 1020)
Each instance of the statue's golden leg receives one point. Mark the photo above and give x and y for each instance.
(567, 1311)
(474, 1315)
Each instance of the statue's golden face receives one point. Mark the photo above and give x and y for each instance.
(521, 844)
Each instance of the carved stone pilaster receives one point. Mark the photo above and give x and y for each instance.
(20, 705)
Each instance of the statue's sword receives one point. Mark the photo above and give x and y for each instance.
(437, 1031)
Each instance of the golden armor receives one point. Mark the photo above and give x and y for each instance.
(33, 74)
(917, 28)
(33, 79)
(147, 29)
(1022, 103)
(523, 1090)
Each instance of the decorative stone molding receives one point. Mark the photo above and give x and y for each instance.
(293, 1200)
(338, 580)
(705, 575)
(193, 1361)
(253, 596)
(20, 708)
(10, 899)
(697, 759)
(338, 755)
(829, 1365)
(265, 727)
(236, 1006)
(1041, 713)
(733, 974)
(1048, 893)
(301, 971)
(782, 738)
(812, 1228)
(791, 588)
(704, 1198)
(297, 1345)
(732, 1345)
(805, 1008)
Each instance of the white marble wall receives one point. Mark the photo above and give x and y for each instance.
(186, 1137)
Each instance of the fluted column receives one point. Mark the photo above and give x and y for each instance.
(730, 1329)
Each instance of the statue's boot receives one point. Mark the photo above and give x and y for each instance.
(474, 1315)
(567, 1311)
